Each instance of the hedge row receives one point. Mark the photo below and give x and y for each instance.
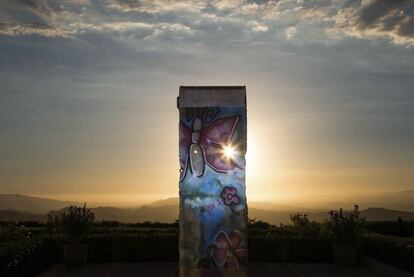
(392, 228)
(32, 255)
(395, 251)
(28, 257)
(305, 250)
(133, 248)
(129, 248)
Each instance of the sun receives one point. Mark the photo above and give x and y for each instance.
(229, 151)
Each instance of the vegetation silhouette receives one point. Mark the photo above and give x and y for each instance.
(27, 248)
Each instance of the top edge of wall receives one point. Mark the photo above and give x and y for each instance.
(211, 96)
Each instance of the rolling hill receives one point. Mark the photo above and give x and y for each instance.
(166, 210)
(9, 215)
(36, 205)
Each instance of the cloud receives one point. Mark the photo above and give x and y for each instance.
(156, 6)
(30, 29)
(226, 4)
(393, 20)
(72, 18)
(290, 32)
(123, 26)
(201, 20)
(259, 27)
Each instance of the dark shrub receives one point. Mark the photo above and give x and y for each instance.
(258, 224)
(400, 228)
(344, 226)
(75, 222)
(391, 250)
(11, 231)
(262, 249)
(27, 257)
(133, 248)
(304, 226)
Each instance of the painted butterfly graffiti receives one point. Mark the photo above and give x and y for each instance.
(200, 146)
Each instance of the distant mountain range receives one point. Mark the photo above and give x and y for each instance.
(37, 205)
(401, 200)
(10, 215)
(22, 207)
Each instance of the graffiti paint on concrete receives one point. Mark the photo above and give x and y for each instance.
(213, 211)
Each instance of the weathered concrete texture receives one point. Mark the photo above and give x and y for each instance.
(170, 270)
(213, 210)
(219, 96)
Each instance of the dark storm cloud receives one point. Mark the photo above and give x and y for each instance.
(371, 14)
(393, 20)
(392, 16)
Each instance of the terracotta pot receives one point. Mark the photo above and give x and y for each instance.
(75, 255)
(345, 254)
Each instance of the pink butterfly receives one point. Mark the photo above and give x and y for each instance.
(199, 146)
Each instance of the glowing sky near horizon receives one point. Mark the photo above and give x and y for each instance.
(88, 94)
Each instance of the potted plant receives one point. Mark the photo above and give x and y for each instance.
(75, 224)
(345, 229)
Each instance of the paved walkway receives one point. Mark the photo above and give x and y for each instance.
(170, 269)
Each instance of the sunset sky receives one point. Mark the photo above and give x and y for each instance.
(88, 95)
